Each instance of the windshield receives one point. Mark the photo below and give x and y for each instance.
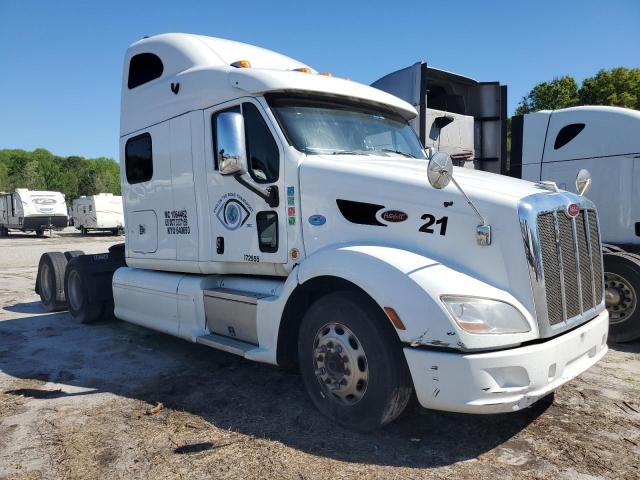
(326, 126)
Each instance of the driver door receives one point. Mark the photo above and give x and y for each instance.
(244, 228)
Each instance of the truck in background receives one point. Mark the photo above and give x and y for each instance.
(32, 211)
(456, 114)
(102, 212)
(294, 218)
(557, 145)
(543, 149)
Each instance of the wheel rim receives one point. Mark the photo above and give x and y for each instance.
(74, 290)
(340, 364)
(46, 282)
(620, 298)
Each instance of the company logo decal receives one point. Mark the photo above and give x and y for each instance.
(317, 220)
(394, 216)
(233, 211)
(44, 201)
(573, 209)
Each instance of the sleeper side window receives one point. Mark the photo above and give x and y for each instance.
(138, 159)
(566, 134)
(143, 68)
(262, 151)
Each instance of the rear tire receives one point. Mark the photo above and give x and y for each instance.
(622, 296)
(83, 231)
(50, 281)
(81, 306)
(4, 232)
(40, 233)
(352, 362)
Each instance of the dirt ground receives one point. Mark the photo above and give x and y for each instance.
(78, 401)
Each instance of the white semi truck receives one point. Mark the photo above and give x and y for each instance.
(32, 211)
(102, 212)
(294, 218)
(468, 119)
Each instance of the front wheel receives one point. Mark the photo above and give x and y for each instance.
(622, 296)
(352, 362)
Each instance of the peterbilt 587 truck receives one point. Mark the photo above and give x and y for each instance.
(294, 218)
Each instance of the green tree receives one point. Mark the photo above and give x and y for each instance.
(560, 92)
(73, 176)
(618, 87)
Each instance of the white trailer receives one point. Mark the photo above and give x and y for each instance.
(559, 146)
(32, 211)
(98, 212)
(294, 218)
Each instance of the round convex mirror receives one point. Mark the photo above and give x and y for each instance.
(439, 170)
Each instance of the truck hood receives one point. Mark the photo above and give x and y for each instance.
(410, 175)
(437, 224)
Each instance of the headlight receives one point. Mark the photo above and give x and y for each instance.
(482, 315)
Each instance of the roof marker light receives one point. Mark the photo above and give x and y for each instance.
(302, 69)
(241, 64)
(326, 74)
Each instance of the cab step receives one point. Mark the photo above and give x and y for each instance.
(225, 344)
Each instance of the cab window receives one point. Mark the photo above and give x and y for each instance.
(263, 157)
(262, 151)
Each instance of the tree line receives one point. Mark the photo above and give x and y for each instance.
(618, 87)
(73, 176)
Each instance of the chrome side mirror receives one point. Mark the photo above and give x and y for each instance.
(583, 182)
(439, 170)
(231, 150)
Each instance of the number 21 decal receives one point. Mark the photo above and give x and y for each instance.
(426, 228)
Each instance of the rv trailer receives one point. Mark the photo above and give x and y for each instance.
(32, 211)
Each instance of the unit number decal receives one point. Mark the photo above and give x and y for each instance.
(442, 222)
(252, 258)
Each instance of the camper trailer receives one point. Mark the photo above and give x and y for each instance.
(32, 211)
(294, 218)
(101, 212)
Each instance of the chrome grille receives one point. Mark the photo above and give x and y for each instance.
(551, 265)
(594, 236)
(571, 263)
(585, 261)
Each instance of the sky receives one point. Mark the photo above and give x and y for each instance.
(61, 61)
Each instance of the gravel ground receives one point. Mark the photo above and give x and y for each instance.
(81, 401)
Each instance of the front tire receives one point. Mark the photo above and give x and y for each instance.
(622, 296)
(352, 362)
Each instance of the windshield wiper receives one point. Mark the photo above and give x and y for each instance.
(404, 154)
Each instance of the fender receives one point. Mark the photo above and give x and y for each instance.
(412, 284)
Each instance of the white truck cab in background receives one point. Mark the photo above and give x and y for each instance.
(32, 211)
(294, 218)
(102, 212)
(556, 145)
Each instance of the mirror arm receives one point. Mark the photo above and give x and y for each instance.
(270, 195)
(469, 202)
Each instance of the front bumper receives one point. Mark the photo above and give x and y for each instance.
(505, 380)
